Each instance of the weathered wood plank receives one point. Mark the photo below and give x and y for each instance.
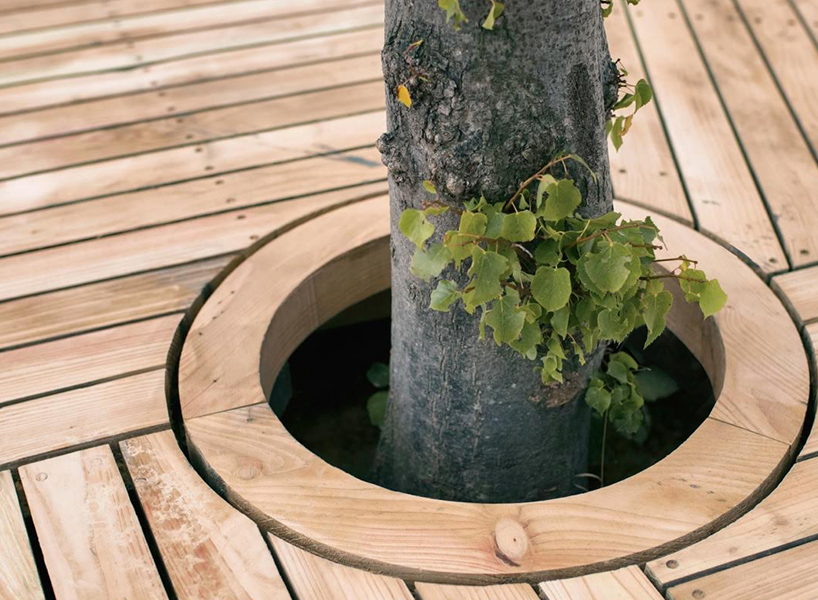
(225, 64)
(519, 591)
(93, 546)
(808, 10)
(315, 578)
(82, 416)
(209, 548)
(104, 304)
(779, 156)
(18, 574)
(172, 47)
(643, 170)
(811, 445)
(104, 144)
(163, 246)
(788, 514)
(177, 100)
(623, 584)
(788, 575)
(721, 187)
(114, 214)
(81, 359)
(189, 162)
(801, 290)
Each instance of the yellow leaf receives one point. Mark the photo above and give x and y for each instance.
(404, 97)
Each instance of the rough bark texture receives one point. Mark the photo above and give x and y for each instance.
(468, 420)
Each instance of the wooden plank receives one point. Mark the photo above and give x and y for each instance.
(209, 548)
(225, 64)
(792, 56)
(108, 31)
(163, 246)
(800, 288)
(81, 359)
(645, 177)
(189, 162)
(787, 515)
(104, 304)
(82, 416)
(11, 6)
(18, 574)
(778, 154)
(142, 106)
(808, 10)
(72, 222)
(623, 584)
(810, 448)
(518, 591)
(788, 575)
(93, 546)
(315, 578)
(721, 187)
(104, 144)
(173, 47)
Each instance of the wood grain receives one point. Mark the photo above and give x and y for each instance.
(624, 584)
(315, 578)
(85, 358)
(721, 187)
(645, 177)
(788, 514)
(207, 159)
(519, 591)
(82, 416)
(779, 156)
(811, 445)
(93, 546)
(18, 574)
(209, 549)
(787, 575)
(801, 290)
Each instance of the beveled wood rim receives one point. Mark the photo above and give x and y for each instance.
(272, 301)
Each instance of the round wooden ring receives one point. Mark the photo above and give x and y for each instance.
(277, 297)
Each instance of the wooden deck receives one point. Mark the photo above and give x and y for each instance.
(146, 145)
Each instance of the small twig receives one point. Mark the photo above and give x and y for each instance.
(672, 276)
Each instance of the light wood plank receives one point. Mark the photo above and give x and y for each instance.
(209, 548)
(788, 514)
(315, 578)
(811, 445)
(82, 416)
(801, 290)
(18, 574)
(177, 100)
(29, 231)
(104, 304)
(808, 10)
(189, 162)
(788, 575)
(623, 584)
(183, 45)
(724, 196)
(225, 64)
(85, 358)
(11, 6)
(519, 591)
(792, 55)
(108, 31)
(91, 540)
(778, 154)
(643, 170)
(162, 246)
(104, 144)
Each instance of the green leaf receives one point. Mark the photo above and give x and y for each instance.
(559, 320)
(616, 132)
(453, 12)
(486, 270)
(548, 253)
(378, 375)
(608, 268)
(563, 199)
(551, 287)
(643, 93)
(444, 295)
(427, 264)
(530, 338)
(429, 187)
(599, 399)
(519, 227)
(625, 358)
(618, 371)
(473, 223)
(654, 384)
(712, 298)
(655, 311)
(376, 407)
(612, 326)
(494, 227)
(413, 225)
(542, 187)
(506, 319)
(494, 14)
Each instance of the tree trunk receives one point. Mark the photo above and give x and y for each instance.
(468, 420)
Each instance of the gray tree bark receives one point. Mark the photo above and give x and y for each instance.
(468, 420)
